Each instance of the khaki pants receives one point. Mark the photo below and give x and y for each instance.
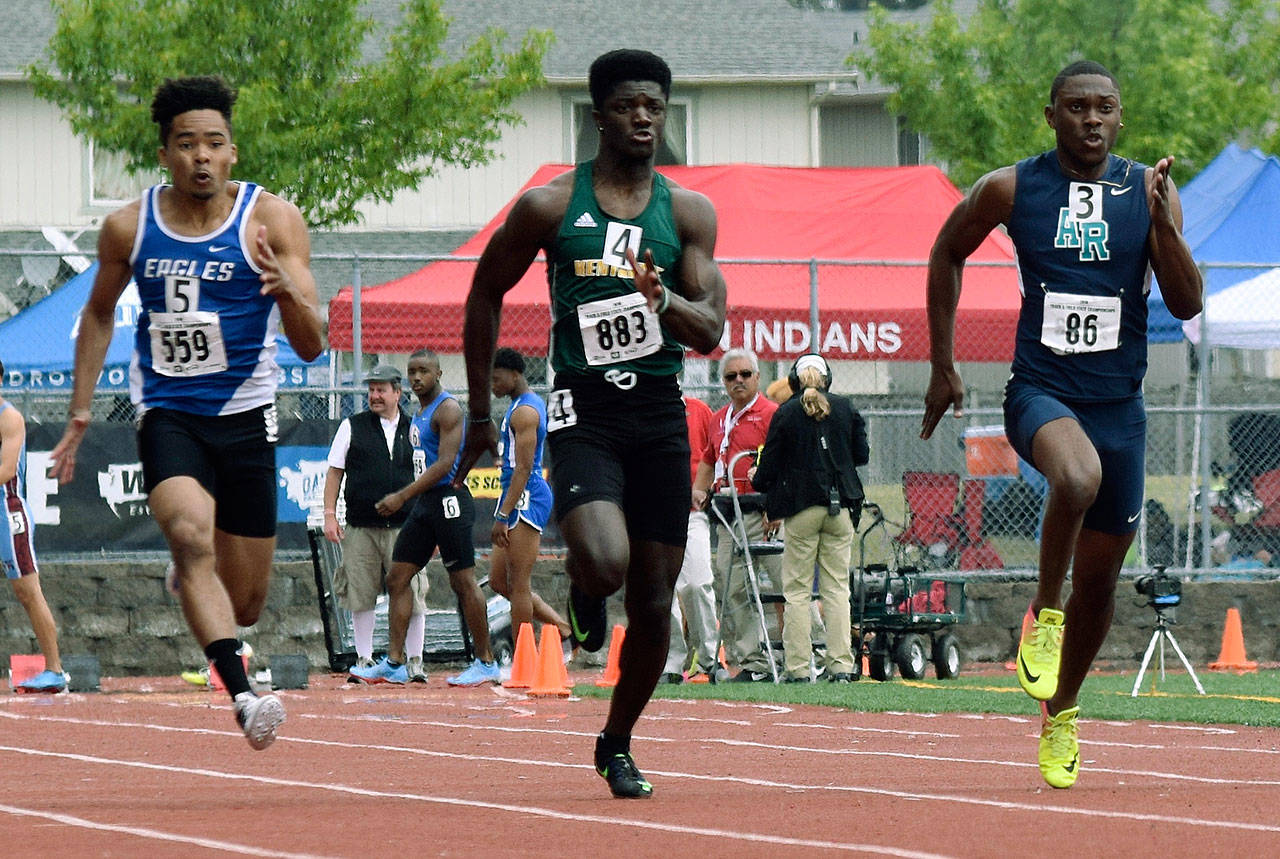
(362, 575)
(695, 594)
(814, 537)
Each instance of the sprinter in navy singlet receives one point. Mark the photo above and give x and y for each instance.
(631, 269)
(1089, 228)
(220, 265)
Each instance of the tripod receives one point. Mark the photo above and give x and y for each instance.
(1160, 635)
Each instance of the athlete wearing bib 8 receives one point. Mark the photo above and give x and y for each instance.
(600, 322)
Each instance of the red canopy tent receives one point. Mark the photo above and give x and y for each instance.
(836, 216)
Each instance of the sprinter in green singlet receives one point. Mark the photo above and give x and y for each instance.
(632, 276)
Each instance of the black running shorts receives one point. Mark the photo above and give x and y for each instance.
(626, 445)
(442, 517)
(232, 456)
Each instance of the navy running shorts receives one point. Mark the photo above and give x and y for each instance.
(1118, 431)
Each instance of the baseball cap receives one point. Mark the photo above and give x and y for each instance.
(383, 373)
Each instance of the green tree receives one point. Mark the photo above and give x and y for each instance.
(1194, 75)
(314, 121)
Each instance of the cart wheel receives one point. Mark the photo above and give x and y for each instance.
(911, 656)
(880, 665)
(946, 656)
(502, 649)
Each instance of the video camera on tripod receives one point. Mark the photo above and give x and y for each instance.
(1161, 589)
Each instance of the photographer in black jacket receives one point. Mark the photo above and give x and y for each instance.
(809, 471)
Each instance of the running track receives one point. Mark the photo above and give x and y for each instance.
(379, 771)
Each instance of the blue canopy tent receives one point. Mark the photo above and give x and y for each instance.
(38, 345)
(1229, 214)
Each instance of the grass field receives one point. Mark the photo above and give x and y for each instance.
(1244, 699)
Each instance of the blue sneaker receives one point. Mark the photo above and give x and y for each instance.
(46, 681)
(478, 674)
(381, 671)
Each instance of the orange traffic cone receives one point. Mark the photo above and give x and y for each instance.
(525, 663)
(613, 666)
(1232, 657)
(552, 678)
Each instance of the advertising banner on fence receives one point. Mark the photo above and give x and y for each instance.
(104, 509)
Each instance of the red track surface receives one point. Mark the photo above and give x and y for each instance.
(159, 770)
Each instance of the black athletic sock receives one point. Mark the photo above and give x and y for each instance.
(225, 656)
(609, 745)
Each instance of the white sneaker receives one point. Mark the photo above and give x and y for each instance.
(417, 674)
(258, 718)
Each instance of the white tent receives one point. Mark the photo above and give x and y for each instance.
(1244, 316)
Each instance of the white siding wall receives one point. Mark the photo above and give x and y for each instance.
(752, 124)
(42, 165)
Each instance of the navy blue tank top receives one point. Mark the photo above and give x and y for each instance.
(1083, 274)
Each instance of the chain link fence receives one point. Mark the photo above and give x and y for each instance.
(962, 500)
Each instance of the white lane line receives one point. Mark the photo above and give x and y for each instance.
(817, 788)
(143, 832)
(611, 820)
(862, 729)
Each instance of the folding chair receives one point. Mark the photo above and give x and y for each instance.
(932, 524)
(976, 552)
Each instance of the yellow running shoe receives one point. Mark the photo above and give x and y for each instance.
(1060, 748)
(1039, 652)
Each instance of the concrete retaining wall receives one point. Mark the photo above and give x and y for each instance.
(120, 612)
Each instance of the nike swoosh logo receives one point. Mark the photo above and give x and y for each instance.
(1122, 192)
(1033, 678)
(1134, 517)
(1071, 767)
(213, 249)
(573, 626)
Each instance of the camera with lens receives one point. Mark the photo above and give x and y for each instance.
(1161, 589)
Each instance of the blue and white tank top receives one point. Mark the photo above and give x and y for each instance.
(426, 441)
(206, 337)
(1083, 274)
(507, 437)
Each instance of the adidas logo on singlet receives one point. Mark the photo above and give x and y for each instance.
(585, 220)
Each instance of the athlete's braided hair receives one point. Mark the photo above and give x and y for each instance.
(179, 95)
(626, 64)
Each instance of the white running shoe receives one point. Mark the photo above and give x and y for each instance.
(258, 717)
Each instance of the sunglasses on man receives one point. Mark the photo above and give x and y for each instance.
(741, 374)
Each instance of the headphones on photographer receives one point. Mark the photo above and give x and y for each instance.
(811, 359)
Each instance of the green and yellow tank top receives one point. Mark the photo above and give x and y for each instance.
(600, 322)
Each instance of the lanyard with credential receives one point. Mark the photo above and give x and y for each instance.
(730, 421)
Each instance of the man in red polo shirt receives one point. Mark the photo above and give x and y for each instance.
(741, 425)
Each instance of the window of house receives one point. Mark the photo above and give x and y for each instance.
(110, 184)
(673, 150)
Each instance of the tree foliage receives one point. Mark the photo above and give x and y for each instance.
(314, 121)
(1194, 75)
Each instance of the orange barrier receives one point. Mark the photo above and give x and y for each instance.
(24, 666)
(552, 678)
(1232, 657)
(613, 666)
(524, 665)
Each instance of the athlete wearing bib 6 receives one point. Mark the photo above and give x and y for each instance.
(632, 277)
(220, 266)
(1089, 228)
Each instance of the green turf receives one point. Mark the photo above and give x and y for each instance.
(1247, 699)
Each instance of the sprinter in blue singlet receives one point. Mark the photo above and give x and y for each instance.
(220, 266)
(1089, 228)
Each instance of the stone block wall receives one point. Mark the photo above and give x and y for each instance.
(120, 612)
